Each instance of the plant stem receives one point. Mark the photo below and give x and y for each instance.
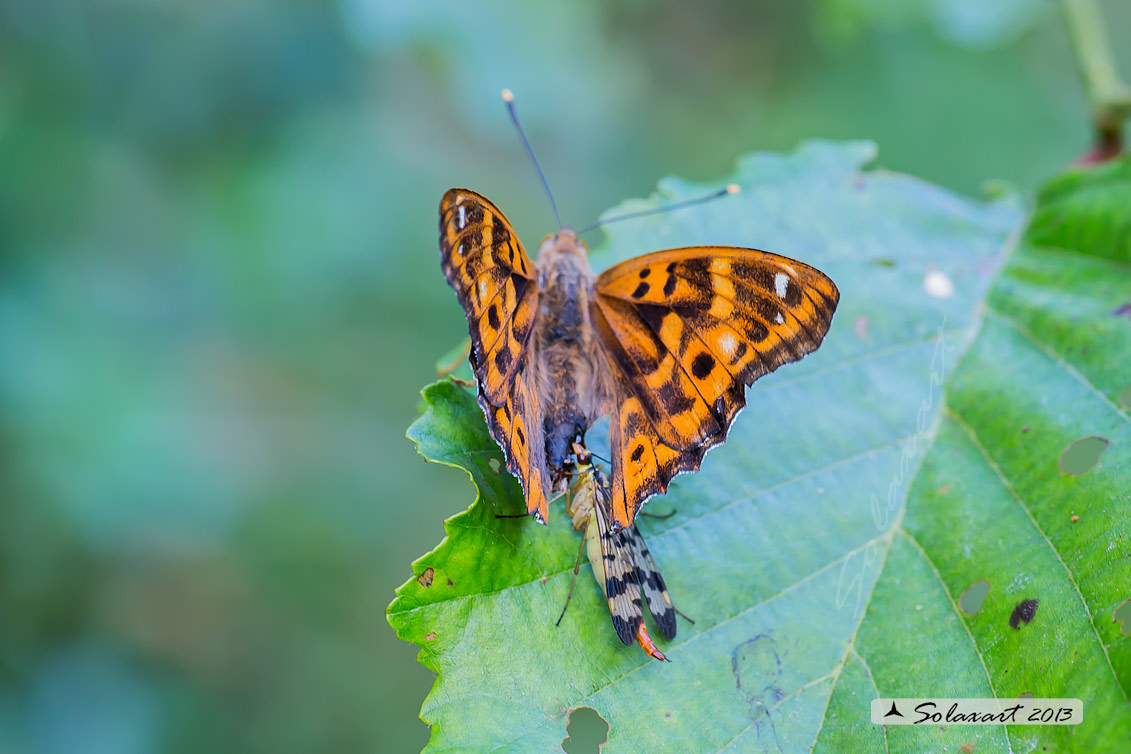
(1110, 98)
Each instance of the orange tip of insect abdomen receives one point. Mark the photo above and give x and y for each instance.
(508, 95)
(733, 188)
(646, 643)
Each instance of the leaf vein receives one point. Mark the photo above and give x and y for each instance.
(1025, 508)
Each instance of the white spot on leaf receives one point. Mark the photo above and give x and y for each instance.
(938, 285)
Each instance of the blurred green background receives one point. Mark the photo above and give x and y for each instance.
(220, 294)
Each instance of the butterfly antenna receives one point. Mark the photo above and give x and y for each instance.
(732, 188)
(508, 98)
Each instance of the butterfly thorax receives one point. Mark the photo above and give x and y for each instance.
(569, 358)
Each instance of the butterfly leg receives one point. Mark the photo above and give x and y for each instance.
(658, 516)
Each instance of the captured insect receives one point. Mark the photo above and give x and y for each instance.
(621, 563)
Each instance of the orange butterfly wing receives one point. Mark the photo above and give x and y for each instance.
(688, 330)
(496, 284)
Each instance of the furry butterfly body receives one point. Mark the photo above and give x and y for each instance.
(665, 343)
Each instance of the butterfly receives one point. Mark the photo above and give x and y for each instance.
(664, 343)
(622, 565)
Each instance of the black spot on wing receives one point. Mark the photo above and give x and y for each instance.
(673, 399)
(702, 365)
(503, 359)
(792, 293)
(499, 234)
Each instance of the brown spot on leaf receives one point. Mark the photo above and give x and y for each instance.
(944, 489)
(1024, 612)
(1123, 311)
(967, 748)
(1074, 519)
(425, 579)
(430, 636)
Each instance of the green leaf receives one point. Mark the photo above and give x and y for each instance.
(1086, 210)
(822, 550)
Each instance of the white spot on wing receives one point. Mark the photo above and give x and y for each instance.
(727, 343)
(462, 216)
(780, 319)
(781, 282)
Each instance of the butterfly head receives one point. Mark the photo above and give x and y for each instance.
(563, 243)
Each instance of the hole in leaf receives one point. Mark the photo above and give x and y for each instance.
(1122, 616)
(1125, 399)
(425, 579)
(1023, 613)
(1026, 695)
(1080, 456)
(587, 732)
(974, 597)
(494, 465)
